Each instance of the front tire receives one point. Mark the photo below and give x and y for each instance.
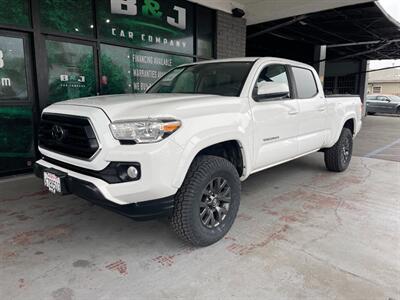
(338, 157)
(208, 201)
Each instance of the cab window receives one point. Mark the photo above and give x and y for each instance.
(305, 83)
(272, 84)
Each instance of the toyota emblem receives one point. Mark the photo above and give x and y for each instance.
(57, 132)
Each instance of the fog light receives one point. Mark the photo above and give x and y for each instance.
(132, 172)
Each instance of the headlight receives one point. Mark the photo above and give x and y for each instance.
(144, 131)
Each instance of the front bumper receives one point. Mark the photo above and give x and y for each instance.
(89, 191)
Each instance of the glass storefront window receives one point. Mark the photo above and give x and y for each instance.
(13, 85)
(15, 12)
(125, 70)
(205, 32)
(154, 24)
(115, 70)
(16, 133)
(148, 67)
(67, 16)
(16, 138)
(71, 71)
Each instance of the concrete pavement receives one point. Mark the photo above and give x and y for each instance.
(301, 233)
(379, 138)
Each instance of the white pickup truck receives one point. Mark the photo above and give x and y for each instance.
(183, 148)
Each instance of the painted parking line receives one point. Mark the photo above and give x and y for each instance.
(380, 150)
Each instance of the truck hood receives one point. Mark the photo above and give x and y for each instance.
(138, 106)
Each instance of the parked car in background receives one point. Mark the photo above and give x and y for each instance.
(388, 104)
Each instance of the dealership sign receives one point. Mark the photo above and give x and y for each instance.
(150, 8)
(161, 25)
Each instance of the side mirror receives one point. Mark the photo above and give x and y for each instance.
(270, 90)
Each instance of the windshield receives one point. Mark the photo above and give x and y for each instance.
(225, 79)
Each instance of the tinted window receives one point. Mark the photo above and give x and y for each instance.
(205, 31)
(68, 16)
(126, 70)
(71, 71)
(13, 85)
(305, 83)
(16, 136)
(371, 98)
(15, 12)
(271, 78)
(225, 79)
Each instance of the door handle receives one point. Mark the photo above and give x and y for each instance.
(321, 108)
(293, 112)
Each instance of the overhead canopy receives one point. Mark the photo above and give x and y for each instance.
(258, 11)
(362, 31)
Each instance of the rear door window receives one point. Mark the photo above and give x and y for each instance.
(305, 83)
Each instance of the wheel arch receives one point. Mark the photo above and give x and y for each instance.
(350, 123)
(230, 149)
(347, 122)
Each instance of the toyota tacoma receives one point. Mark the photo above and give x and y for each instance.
(183, 148)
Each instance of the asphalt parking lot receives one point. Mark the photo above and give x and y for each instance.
(301, 233)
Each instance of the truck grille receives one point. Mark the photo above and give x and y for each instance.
(69, 135)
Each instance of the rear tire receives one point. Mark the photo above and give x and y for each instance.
(208, 201)
(338, 157)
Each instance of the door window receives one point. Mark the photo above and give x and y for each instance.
(274, 80)
(71, 71)
(305, 83)
(16, 132)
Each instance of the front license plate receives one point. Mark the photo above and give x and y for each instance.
(52, 182)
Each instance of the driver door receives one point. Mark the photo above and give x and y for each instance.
(383, 104)
(276, 122)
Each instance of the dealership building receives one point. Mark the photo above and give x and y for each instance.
(54, 50)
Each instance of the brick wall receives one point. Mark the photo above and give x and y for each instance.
(231, 36)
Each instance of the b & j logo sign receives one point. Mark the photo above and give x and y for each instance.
(72, 81)
(162, 24)
(150, 8)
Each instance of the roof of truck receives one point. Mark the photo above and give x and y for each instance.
(252, 59)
